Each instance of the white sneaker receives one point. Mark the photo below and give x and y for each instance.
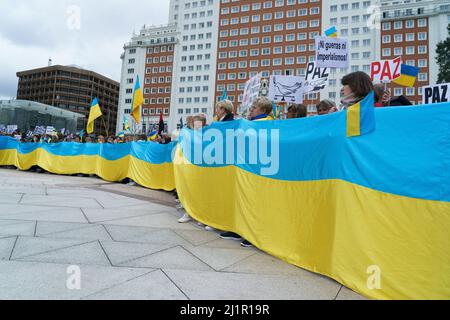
(185, 219)
(177, 201)
(201, 225)
(208, 228)
(132, 183)
(179, 206)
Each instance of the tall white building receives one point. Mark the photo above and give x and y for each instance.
(195, 58)
(150, 56)
(359, 22)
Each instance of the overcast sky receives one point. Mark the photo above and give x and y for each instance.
(31, 31)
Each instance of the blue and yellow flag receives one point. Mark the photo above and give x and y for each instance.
(152, 136)
(361, 117)
(224, 95)
(408, 76)
(331, 32)
(126, 125)
(94, 113)
(138, 101)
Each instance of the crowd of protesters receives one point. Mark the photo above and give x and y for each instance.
(355, 87)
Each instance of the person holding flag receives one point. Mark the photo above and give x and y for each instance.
(94, 114)
(138, 101)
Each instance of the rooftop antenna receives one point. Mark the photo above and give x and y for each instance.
(50, 62)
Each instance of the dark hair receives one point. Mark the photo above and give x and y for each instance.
(359, 82)
(302, 111)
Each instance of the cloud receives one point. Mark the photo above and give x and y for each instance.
(87, 33)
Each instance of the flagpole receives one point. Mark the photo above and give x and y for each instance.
(106, 129)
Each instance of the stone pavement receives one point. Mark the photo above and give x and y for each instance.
(128, 245)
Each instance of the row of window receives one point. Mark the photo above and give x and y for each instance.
(268, 28)
(192, 111)
(407, 24)
(197, 15)
(193, 89)
(152, 80)
(162, 49)
(194, 37)
(193, 100)
(265, 5)
(346, 20)
(146, 111)
(346, 6)
(201, 25)
(266, 40)
(196, 4)
(421, 36)
(199, 57)
(409, 50)
(197, 78)
(194, 47)
(162, 69)
(270, 16)
(205, 67)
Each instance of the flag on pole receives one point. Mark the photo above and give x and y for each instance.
(152, 136)
(331, 32)
(361, 117)
(126, 125)
(224, 95)
(94, 114)
(161, 124)
(408, 76)
(138, 101)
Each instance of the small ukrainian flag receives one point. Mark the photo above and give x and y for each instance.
(138, 101)
(331, 32)
(152, 136)
(94, 113)
(361, 117)
(408, 76)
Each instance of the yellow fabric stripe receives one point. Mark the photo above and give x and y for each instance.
(331, 227)
(354, 120)
(405, 80)
(149, 175)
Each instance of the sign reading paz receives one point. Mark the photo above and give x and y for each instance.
(288, 89)
(386, 70)
(331, 52)
(316, 79)
(436, 94)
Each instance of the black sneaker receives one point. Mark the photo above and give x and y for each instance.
(246, 244)
(231, 236)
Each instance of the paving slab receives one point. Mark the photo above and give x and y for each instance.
(174, 258)
(201, 285)
(110, 215)
(163, 220)
(151, 286)
(92, 232)
(30, 246)
(19, 229)
(61, 201)
(19, 280)
(6, 247)
(85, 254)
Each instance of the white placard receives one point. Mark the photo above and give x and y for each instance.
(436, 94)
(288, 89)
(332, 52)
(251, 90)
(11, 128)
(385, 71)
(316, 79)
(49, 130)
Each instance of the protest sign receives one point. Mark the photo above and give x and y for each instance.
(316, 78)
(287, 89)
(332, 52)
(49, 130)
(436, 93)
(251, 90)
(11, 128)
(386, 70)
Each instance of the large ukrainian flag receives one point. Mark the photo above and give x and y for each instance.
(94, 114)
(138, 101)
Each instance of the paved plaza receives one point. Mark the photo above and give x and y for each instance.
(127, 244)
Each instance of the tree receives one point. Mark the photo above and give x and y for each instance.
(443, 59)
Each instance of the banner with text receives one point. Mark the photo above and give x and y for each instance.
(332, 52)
